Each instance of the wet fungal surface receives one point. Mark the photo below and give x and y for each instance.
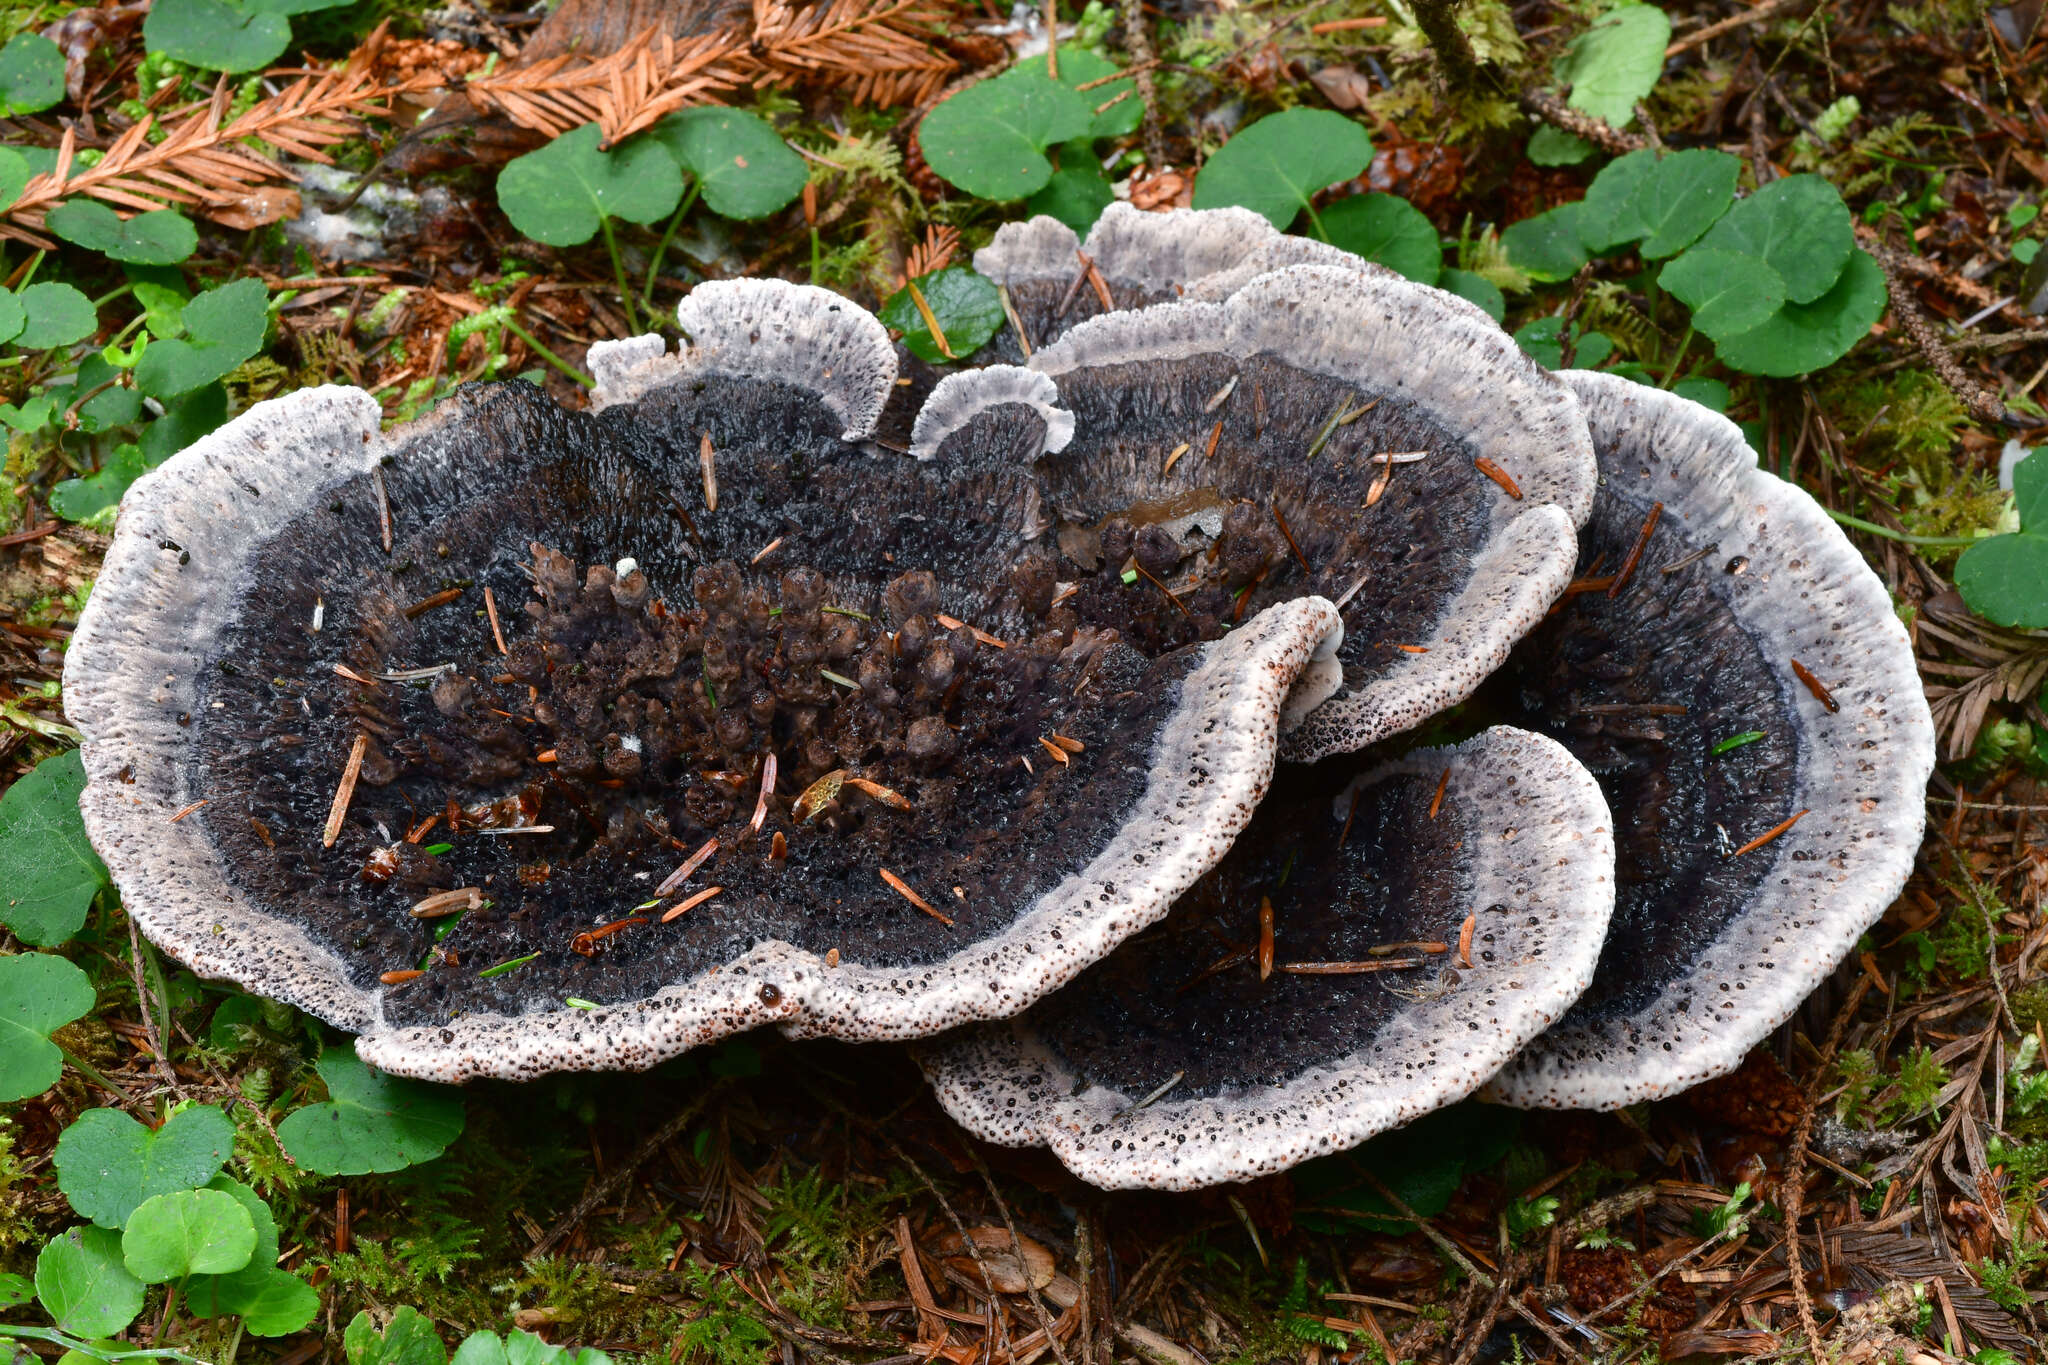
(658, 657)
(1378, 941)
(1665, 697)
(1762, 821)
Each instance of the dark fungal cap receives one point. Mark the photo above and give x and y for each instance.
(1321, 984)
(610, 662)
(1726, 916)
(1319, 430)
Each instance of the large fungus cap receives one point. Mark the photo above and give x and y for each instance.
(1319, 430)
(1733, 672)
(520, 739)
(1180, 1061)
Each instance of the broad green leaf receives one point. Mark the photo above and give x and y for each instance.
(1079, 66)
(1275, 166)
(57, 316)
(184, 421)
(1550, 146)
(13, 317)
(1729, 293)
(223, 328)
(562, 193)
(39, 994)
(1077, 194)
(1542, 340)
(48, 871)
(1616, 62)
(277, 1305)
(187, 1232)
(1388, 229)
(84, 1285)
(747, 171)
(37, 411)
(15, 173)
(2005, 578)
(1682, 197)
(31, 74)
(1799, 226)
(295, 6)
(372, 1122)
(216, 35)
(524, 1348)
(111, 406)
(1424, 1163)
(1610, 217)
(1708, 393)
(271, 1302)
(15, 1290)
(409, 1340)
(967, 306)
(163, 307)
(160, 237)
(1475, 288)
(990, 139)
(1550, 246)
(108, 1164)
(1803, 337)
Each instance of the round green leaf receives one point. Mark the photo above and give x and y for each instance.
(409, 1340)
(1682, 197)
(1616, 62)
(184, 421)
(160, 237)
(562, 193)
(15, 1290)
(1802, 337)
(108, 1164)
(1388, 229)
(39, 994)
(187, 1232)
(2005, 578)
(271, 1302)
(48, 871)
(112, 406)
(1799, 226)
(57, 316)
(31, 74)
(1549, 246)
(1729, 293)
(1081, 66)
(1550, 146)
(215, 35)
(1475, 288)
(223, 328)
(747, 171)
(1276, 165)
(967, 306)
(1708, 393)
(372, 1122)
(1610, 216)
(13, 317)
(15, 173)
(990, 139)
(83, 1284)
(277, 1305)
(1076, 195)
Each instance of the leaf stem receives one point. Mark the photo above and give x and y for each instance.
(533, 344)
(668, 235)
(1939, 542)
(611, 246)
(1684, 343)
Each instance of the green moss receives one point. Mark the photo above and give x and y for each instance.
(1910, 413)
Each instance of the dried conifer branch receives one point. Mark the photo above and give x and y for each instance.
(205, 162)
(1554, 111)
(650, 77)
(882, 49)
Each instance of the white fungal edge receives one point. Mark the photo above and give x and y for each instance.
(183, 555)
(1392, 337)
(1540, 846)
(1210, 765)
(959, 398)
(762, 329)
(1862, 771)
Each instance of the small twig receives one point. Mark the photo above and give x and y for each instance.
(1983, 405)
(1602, 134)
(1769, 9)
(143, 1000)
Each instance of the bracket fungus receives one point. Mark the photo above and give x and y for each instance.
(521, 739)
(1736, 677)
(1377, 943)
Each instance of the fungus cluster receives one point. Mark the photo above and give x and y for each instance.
(520, 739)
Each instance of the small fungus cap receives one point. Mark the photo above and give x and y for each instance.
(1179, 1062)
(1763, 821)
(1321, 429)
(519, 739)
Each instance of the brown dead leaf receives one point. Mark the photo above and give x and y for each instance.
(1006, 1274)
(255, 208)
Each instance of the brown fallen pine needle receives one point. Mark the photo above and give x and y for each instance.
(1265, 937)
(767, 792)
(1436, 803)
(585, 944)
(1172, 457)
(399, 978)
(690, 864)
(1059, 755)
(427, 604)
(707, 465)
(456, 902)
(1385, 964)
(1635, 551)
(888, 796)
(1499, 476)
(184, 811)
(1773, 832)
(1815, 686)
(684, 907)
(902, 888)
(770, 548)
(1465, 932)
(497, 631)
(344, 793)
(931, 319)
